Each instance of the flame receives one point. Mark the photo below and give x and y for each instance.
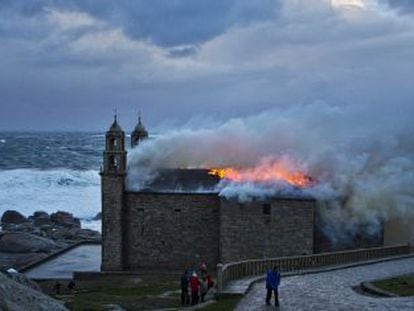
(264, 173)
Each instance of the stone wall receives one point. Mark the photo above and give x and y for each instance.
(171, 230)
(112, 235)
(280, 227)
(399, 231)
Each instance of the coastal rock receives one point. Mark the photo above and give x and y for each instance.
(22, 227)
(21, 242)
(39, 236)
(15, 296)
(40, 218)
(73, 234)
(98, 216)
(40, 214)
(65, 219)
(12, 217)
(22, 279)
(89, 235)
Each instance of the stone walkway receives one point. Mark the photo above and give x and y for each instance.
(333, 290)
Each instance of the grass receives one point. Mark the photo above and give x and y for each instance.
(129, 292)
(402, 286)
(225, 303)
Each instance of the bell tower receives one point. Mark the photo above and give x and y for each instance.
(115, 154)
(113, 175)
(139, 133)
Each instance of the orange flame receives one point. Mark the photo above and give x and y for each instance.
(265, 172)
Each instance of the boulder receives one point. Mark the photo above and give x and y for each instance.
(40, 218)
(22, 279)
(21, 242)
(98, 216)
(89, 235)
(62, 233)
(73, 234)
(40, 214)
(65, 219)
(23, 227)
(13, 217)
(15, 296)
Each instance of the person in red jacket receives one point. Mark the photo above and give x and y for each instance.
(194, 285)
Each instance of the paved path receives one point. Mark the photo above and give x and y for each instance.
(333, 290)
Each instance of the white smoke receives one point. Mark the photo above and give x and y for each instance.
(362, 160)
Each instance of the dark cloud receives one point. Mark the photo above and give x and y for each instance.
(67, 64)
(164, 22)
(183, 51)
(403, 5)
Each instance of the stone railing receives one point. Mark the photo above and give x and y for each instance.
(255, 267)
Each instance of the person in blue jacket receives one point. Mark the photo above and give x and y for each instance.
(272, 284)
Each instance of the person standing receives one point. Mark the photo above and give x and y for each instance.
(203, 288)
(210, 282)
(194, 285)
(272, 284)
(57, 287)
(203, 269)
(185, 300)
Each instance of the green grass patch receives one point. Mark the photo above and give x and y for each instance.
(129, 292)
(225, 303)
(402, 286)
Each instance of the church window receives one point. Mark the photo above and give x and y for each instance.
(111, 142)
(111, 161)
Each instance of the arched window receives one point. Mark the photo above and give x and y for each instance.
(112, 161)
(111, 142)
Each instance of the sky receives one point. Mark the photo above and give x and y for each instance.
(66, 65)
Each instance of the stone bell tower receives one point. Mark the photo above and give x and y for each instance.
(139, 133)
(113, 186)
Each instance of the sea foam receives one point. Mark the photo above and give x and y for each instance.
(30, 190)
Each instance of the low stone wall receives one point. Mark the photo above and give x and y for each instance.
(32, 265)
(370, 288)
(241, 269)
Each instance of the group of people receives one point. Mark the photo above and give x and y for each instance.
(197, 284)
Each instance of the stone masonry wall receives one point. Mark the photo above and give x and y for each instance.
(171, 230)
(247, 232)
(112, 202)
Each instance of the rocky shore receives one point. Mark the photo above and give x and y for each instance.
(25, 240)
(19, 293)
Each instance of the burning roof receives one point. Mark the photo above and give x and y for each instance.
(275, 179)
(182, 180)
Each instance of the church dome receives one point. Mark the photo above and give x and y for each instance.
(140, 128)
(115, 127)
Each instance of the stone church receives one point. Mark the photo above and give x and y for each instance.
(159, 227)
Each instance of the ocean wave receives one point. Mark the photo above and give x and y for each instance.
(30, 190)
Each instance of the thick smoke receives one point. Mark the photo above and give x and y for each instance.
(362, 159)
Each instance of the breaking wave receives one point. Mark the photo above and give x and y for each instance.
(30, 190)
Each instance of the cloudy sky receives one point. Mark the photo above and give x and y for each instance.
(66, 64)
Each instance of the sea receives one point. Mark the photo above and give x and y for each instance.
(52, 172)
